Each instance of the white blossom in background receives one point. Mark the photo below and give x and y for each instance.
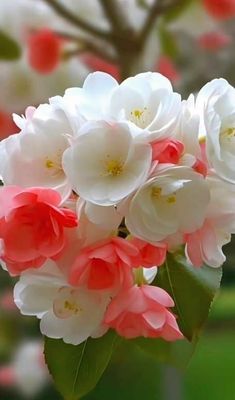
(65, 312)
(29, 369)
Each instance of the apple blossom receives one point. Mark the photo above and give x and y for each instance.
(46, 130)
(107, 162)
(215, 101)
(106, 265)
(32, 226)
(163, 205)
(147, 100)
(151, 254)
(142, 311)
(71, 313)
(205, 244)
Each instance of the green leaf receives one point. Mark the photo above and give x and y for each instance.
(168, 42)
(176, 353)
(77, 369)
(9, 48)
(192, 289)
(177, 10)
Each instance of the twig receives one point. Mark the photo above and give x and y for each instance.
(116, 16)
(77, 21)
(84, 44)
(157, 9)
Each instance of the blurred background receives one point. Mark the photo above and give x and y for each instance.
(44, 50)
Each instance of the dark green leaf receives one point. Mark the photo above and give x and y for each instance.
(178, 9)
(77, 369)
(176, 353)
(9, 48)
(193, 290)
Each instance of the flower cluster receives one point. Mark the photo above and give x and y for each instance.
(99, 185)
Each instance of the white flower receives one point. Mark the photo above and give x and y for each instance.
(107, 163)
(205, 245)
(70, 313)
(216, 103)
(30, 372)
(188, 129)
(34, 156)
(174, 200)
(105, 217)
(146, 100)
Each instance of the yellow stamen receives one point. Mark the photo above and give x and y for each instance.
(72, 306)
(114, 167)
(156, 192)
(171, 199)
(228, 133)
(137, 113)
(49, 164)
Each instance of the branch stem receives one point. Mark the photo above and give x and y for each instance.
(77, 21)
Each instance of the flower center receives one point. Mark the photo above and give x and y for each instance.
(228, 134)
(66, 304)
(140, 117)
(113, 167)
(157, 194)
(54, 165)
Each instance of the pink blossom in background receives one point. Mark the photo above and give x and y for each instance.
(143, 311)
(7, 301)
(7, 376)
(96, 63)
(32, 226)
(220, 9)
(166, 67)
(44, 51)
(7, 125)
(214, 41)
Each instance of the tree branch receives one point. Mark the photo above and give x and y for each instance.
(116, 15)
(77, 21)
(89, 46)
(84, 44)
(158, 8)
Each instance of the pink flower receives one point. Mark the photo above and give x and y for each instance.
(142, 311)
(106, 265)
(151, 255)
(167, 151)
(32, 226)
